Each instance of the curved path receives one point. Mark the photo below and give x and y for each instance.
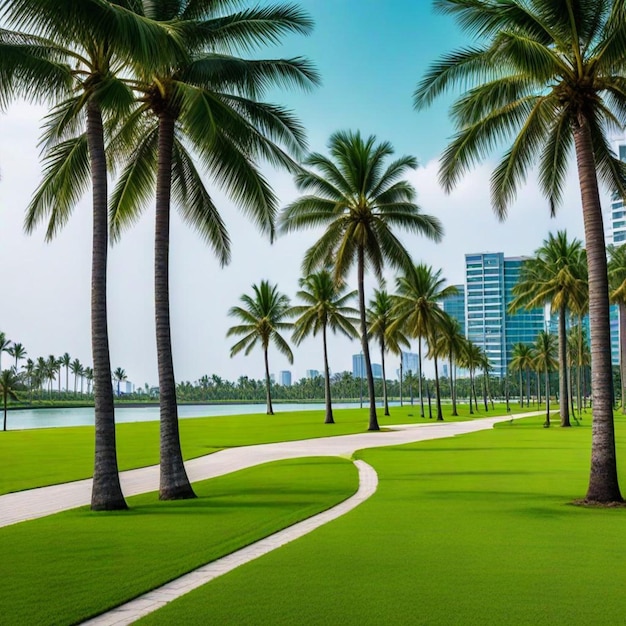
(155, 599)
(35, 503)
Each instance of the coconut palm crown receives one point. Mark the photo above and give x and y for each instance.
(360, 200)
(549, 76)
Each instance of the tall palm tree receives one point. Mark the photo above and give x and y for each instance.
(546, 361)
(66, 361)
(379, 320)
(29, 375)
(10, 382)
(76, 368)
(450, 342)
(95, 42)
(360, 201)
(52, 367)
(325, 306)
(119, 375)
(88, 374)
(617, 285)
(18, 352)
(262, 320)
(472, 357)
(522, 361)
(416, 309)
(550, 74)
(207, 100)
(557, 274)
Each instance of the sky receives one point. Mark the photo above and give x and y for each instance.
(370, 54)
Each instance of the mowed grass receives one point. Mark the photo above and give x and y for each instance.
(65, 568)
(477, 529)
(39, 457)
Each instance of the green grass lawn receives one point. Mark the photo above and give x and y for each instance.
(477, 529)
(39, 457)
(65, 568)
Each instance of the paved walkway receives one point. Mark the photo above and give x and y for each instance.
(35, 503)
(153, 600)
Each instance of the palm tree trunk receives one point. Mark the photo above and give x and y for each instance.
(419, 359)
(437, 390)
(4, 422)
(528, 388)
(452, 384)
(106, 491)
(382, 361)
(268, 388)
(401, 403)
(563, 393)
(373, 418)
(603, 482)
(174, 483)
(547, 379)
(329, 407)
(622, 352)
(521, 388)
(471, 386)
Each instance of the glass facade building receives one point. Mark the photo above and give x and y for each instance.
(285, 378)
(454, 306)
(490, 278)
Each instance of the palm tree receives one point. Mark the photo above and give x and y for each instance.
(556, 275)
(617, 285)
(5, 344)
(18, 352)
(94, 53)
(262, 320)
(472, 357)
(66, 361)
(325, 306)
(553, 74)
(76, 368)
(450, 342)
(379, 321)
(545, 359)
(52, 367)
(119, 375)
(417, 311)
(88, 374)
(522, 361)
(9, 383)
(360, 201)
(207, 99)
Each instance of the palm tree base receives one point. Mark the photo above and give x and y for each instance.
(180, 492)
(329, 420)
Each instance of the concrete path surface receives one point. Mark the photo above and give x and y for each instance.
(155, 599)
(35, 503)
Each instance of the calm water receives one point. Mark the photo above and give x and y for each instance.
(47, 418)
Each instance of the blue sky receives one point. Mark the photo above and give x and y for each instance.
(371, 55)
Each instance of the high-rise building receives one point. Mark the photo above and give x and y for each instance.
(454, 306)
(410, 363)
(285, 378)
(490, 278)
(312, 373)
(358, 365)
(377, 370)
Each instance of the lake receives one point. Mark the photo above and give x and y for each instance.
(21, 419)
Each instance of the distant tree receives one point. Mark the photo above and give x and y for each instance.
(88, 373)
(416, 309)
(66, 361)
(77, 369)
(9, 384)
(5, 344)
(18, 352)
(325, 306)
(546, 360)
(380, 318)
(360, 201)
(557, 275)
(522, 361)
(450, 342)
(262, 321)
(119, 375)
